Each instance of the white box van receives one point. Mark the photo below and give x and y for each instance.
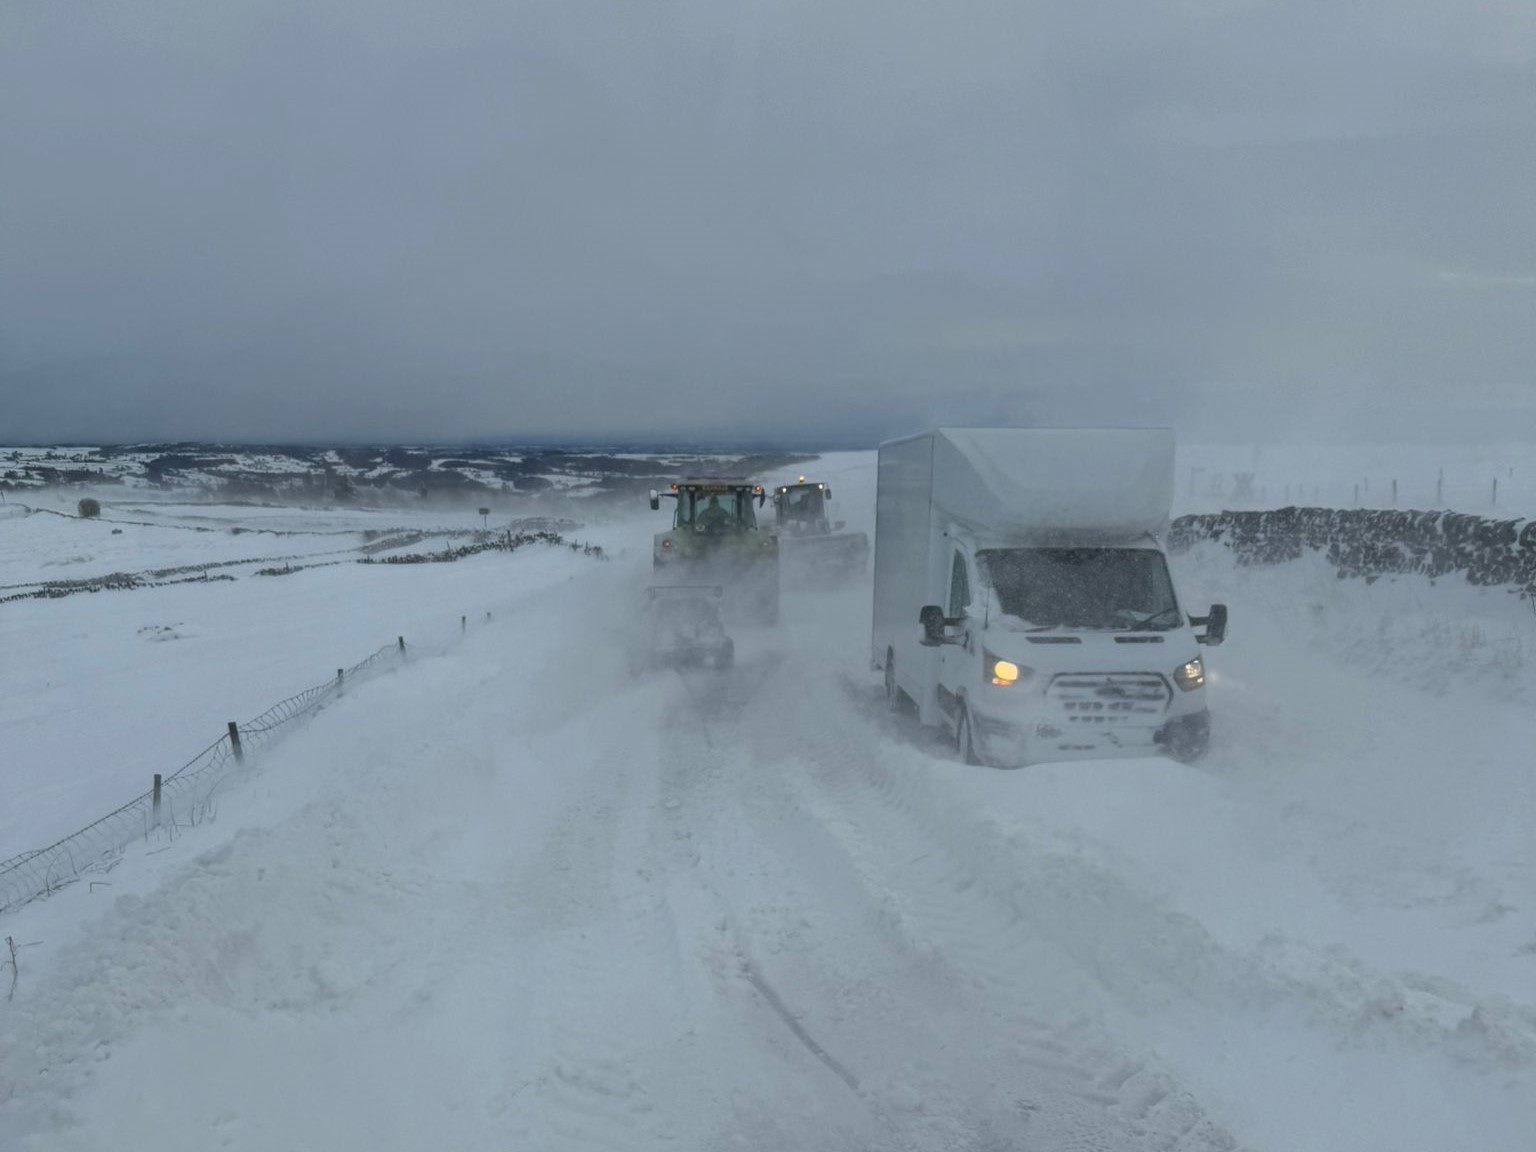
(1023, 599)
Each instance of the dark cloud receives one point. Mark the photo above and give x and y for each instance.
(765, 220)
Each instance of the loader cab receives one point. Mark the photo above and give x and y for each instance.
(802, 507)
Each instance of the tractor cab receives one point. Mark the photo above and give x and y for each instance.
(713, 506)
(715, 539)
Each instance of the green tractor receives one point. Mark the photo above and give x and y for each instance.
(714, 540)
(814, 545)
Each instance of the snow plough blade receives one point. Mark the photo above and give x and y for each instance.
(837, 556)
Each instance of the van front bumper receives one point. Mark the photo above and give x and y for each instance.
(1013, 742)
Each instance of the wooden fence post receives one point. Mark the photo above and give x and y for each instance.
(1440, 487)
(464, 620)
(400, 641)
(234, 742)
(155, 803)
(1495, 491)
(1394, 491)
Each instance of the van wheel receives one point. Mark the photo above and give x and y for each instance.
(892, 693)
(1189, 741)
(1187, 748)
(965, 738)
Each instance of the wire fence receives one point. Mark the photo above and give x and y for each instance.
(184, 798)
(188, 796)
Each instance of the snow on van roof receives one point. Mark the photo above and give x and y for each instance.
(1105, 482)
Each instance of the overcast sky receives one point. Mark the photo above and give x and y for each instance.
(790, 220)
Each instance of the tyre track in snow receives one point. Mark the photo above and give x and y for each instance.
(637, 1024)
(786, 1090)
(1058, 929)
(588, 1092)
(827, 950)
(1141, 951)
(950, 909)
(612, 987)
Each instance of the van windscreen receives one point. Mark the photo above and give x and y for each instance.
(1108, 589)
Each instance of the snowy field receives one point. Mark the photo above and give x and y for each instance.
(1460, 477)
(509, 896)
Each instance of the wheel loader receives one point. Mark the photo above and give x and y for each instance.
(812, 543)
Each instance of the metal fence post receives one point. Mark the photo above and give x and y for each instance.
(234, 742)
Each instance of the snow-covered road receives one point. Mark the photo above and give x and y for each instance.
(510, 897)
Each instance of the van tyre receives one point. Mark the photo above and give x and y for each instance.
(1190, 748)
(1189, 740)
(965, 738)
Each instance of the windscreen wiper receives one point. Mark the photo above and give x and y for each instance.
(1147, 623)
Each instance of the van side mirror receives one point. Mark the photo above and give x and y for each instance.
(1215, 623)
(655, 500)
(933, 623)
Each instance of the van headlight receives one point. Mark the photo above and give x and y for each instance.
(1191, 675)
(1002, 672)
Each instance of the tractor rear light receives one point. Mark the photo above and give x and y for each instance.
(666, 543)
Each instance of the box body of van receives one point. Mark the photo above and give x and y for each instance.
(1022, 596)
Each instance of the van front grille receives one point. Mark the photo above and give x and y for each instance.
(1097, 698)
